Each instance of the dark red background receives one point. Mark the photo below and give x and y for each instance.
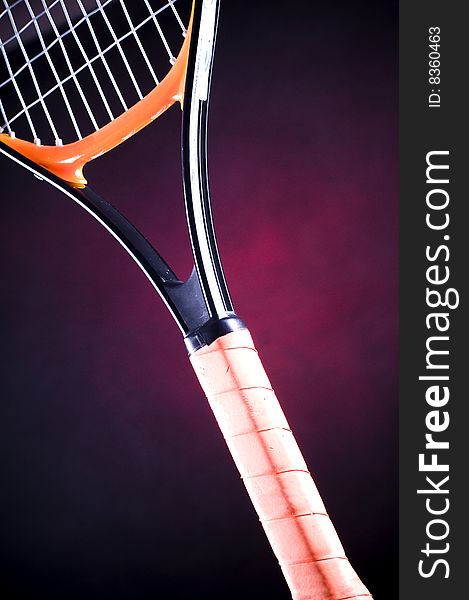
(115, 482)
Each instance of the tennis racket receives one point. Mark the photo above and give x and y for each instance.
(78, 78)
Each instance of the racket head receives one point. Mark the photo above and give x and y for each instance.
(63, 69)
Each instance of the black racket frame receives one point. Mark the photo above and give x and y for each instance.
(201, 305)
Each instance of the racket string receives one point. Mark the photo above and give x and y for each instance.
(102, 57)
(69, 67)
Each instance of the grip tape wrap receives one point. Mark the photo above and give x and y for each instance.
(274, 471)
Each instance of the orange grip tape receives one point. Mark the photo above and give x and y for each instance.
(274, 471)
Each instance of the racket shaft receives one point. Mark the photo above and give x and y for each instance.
(274, 471)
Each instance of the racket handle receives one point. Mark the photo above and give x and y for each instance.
(274, 471)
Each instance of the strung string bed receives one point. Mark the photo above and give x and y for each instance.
(69, 67)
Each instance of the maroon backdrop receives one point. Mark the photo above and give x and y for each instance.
(115, 482)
